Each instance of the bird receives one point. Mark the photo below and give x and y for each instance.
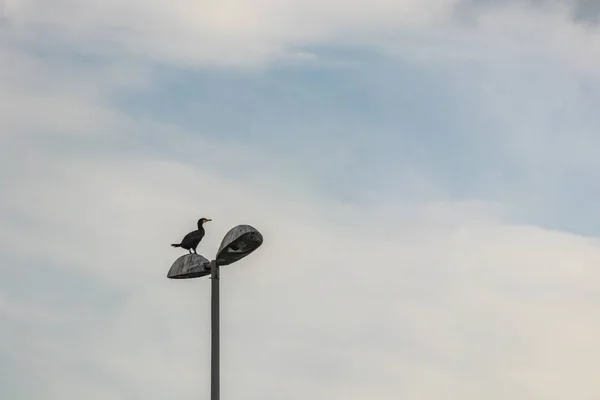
(192, 239)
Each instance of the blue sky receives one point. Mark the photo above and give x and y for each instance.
(424, 173)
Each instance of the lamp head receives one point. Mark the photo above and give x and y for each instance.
(238, 243)
(189, 266)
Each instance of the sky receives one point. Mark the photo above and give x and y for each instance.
(424, 173)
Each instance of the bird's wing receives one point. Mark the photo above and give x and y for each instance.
(190, 238)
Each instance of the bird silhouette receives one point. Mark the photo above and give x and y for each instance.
(192, 239)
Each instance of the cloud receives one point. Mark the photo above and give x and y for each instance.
(470, 302)
(579, 10)
(227, 33)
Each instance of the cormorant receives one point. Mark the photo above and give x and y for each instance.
(192, 239)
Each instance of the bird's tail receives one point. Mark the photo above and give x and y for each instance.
(176, 245)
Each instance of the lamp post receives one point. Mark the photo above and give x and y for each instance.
(237, 244)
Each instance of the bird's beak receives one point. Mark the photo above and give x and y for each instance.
(207, 219)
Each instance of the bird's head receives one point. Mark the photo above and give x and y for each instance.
(201, 221)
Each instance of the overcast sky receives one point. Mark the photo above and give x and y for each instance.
(425, 174)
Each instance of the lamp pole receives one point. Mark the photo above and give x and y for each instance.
(240, 241)
(214, 318)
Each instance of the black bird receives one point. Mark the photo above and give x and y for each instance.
(192, 239)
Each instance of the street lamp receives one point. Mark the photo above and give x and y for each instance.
(237, 244)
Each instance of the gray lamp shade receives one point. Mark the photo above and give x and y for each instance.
(189, 266)
(238, 243)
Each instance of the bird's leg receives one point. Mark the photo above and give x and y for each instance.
(190, 250)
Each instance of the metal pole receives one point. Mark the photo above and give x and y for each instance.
(214, 319)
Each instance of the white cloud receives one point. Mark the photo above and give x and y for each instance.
(48, 95)
(224, 33)
(234, 33)
(438, 305)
